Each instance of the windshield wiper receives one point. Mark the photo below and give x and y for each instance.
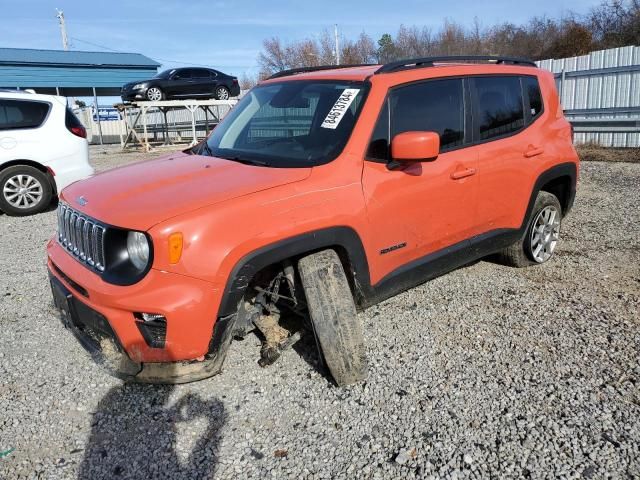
(245, 161)
(206, 148)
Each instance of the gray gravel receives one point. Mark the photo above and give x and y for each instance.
(485, 372)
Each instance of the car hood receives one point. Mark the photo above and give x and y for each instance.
(141, 195)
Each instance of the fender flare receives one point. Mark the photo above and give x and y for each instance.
(244, 271)
(568, 169)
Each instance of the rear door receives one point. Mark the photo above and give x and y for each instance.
(422, 207)
(202, 83)
(507, 150)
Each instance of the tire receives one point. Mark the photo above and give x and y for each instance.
(527, 251)
(222, 93)
(333, 316)
(24, 190)
(154, 94)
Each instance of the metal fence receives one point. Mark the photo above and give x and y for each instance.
(600, 94)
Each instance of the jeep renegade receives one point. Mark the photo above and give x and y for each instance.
(324, 190)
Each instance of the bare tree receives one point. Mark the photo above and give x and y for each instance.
(613, 23)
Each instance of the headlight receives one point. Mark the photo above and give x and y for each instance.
(138, 86)
(138, 249)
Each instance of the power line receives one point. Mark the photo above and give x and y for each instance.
(161, 59)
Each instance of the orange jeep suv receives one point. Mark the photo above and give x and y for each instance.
(324, 190)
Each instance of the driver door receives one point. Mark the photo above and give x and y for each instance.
(182, 83)
(420, 208)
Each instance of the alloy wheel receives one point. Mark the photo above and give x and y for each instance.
(545, 233)
(154, 94)
(222, 94)
(22, 191)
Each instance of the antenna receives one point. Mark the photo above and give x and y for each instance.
(335, 33)
(63, 29)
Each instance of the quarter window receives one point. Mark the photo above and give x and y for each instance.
(500, 109)
(17, 114)
(432, 106)
(533, 94)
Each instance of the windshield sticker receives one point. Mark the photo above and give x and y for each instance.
(340, 108)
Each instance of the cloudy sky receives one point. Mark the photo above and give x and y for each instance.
(228, 35)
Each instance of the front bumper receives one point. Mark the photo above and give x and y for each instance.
(101, 316)
(132, 95)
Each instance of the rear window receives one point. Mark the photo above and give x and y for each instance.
(534, 96)
(17, 114)
(499, 105)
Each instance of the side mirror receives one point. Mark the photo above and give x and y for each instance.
(415, 146)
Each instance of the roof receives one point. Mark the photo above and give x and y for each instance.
(24, 56)
(364, 72)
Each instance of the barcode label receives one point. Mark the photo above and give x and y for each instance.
(339, 108)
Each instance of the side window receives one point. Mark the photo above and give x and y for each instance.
(200, 73)
(499, 102)
(534, 96)
(379, 145)
(434, 106)
(16, 114)
(182, 74)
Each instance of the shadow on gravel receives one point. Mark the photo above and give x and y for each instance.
(138, 432)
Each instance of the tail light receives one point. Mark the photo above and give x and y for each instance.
(79, 131)
(73, 124)
(572, 135)
(235, 81)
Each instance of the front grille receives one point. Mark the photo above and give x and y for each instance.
(81, 236)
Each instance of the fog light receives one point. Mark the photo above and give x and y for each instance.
(150, 317)
(153, 328)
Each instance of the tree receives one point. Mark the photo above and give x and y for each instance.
(386, 49)
(247, 81)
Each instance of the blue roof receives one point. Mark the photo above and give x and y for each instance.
(24, 56)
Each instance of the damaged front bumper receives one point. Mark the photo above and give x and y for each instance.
(93, 331)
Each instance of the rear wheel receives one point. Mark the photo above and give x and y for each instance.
(222, 93)
(541, 237)
(154, 94)
(333, 316)
(24, 190)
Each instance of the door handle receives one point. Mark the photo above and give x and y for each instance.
(533, 151)
(467, 172)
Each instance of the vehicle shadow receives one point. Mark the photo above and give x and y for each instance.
(138, 432)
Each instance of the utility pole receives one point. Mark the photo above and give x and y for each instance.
(63, 29)
(335, 33)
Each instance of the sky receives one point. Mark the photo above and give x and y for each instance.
(228, 35)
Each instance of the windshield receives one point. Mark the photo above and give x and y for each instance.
(289, 124)
(163, 74)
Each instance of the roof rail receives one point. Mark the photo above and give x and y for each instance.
(430, 61)
(294, 71)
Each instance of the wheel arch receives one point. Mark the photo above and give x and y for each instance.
(345, 240)
(560, 181)
(32, 163)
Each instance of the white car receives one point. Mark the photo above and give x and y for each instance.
(43, 148)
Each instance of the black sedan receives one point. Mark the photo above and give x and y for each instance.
(181, 83)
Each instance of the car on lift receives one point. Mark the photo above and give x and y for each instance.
(183, 83)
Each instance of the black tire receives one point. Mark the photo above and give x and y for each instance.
(222, 93)
(520, 254)
(8, 184)
(151, 94)
(333, 316)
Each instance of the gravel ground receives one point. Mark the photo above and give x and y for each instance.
(485, 372)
